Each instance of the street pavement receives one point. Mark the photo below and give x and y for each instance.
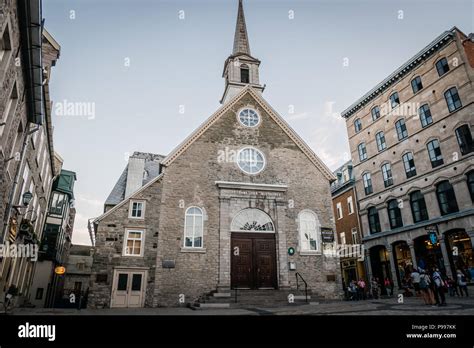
(384, 307)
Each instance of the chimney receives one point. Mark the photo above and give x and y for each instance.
(136, 167)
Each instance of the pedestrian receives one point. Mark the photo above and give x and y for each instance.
(352, 291)
(462, 283)
(439, 287)
(424, 288)
(388, 284)
(415, 280)
(452, 287)
(361, 288)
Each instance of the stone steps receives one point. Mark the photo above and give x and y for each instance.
(255, 298)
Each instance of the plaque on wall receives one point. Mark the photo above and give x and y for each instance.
(327, 235)
(168, 264)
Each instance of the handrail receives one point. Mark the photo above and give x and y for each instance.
(305, 285)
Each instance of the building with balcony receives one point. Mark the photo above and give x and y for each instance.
(27, 54)
(56, 242)
(413, 154)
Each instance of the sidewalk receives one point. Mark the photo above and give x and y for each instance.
(411, 306)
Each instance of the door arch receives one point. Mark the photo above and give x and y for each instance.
(253, 250)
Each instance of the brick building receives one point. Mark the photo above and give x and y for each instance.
(28, 53)
(240, 203)
(348, 230)
(413, 154)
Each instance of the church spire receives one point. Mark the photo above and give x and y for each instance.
(240, 69)
(241, 40)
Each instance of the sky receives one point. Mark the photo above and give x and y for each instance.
(141, 75)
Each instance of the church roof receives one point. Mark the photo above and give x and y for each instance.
(271, 112)
(152, 169)
(241, 40)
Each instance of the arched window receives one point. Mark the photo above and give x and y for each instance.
(409, 164)
(470, 183)
(394, 100)
(416, 84)
(425, 115)
(434, 151)
(310, 229)
(252, 220)
(446, 198)
(357, 125)
(394, 214)
(362, 152)
(366, 178)
(244, 73)
(374, 221)
(464, 137)
(193, 228)
(418, 207)
(375, 113)
(442, 66)
(452, 99)
(387, 175)
(401, 128)
(380, 138)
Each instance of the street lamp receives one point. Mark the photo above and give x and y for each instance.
(26, 199)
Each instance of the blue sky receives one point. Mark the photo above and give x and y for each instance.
(138, 62)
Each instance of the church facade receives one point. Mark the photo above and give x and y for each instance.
(240, 203)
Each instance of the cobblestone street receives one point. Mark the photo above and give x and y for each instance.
(411, 306)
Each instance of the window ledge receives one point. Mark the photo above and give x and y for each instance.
(193, 250)
(310, 253)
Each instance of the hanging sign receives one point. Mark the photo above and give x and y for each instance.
(327, 234)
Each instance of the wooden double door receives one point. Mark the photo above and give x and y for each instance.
(253, 261)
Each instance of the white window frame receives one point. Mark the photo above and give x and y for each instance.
(130, 209)
(339, 211)
(350, 205)
(252, 149)
(342, 237)
(304, 250)
(126, 238)
(354, 232)
(194, 229)
(259, 118)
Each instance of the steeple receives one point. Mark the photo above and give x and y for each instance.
(240, 69)
(241, 39)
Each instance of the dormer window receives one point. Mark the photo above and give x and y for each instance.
(244, 73)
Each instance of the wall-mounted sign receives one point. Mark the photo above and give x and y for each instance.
(60, 270)
(168, 264)
(433, 237)
(327, 234)
(291, 251)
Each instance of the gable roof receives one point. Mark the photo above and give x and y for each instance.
(152, 167)
(270, 111)
(133, 195)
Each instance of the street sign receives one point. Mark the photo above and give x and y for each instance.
(327, 235)
(60, 270)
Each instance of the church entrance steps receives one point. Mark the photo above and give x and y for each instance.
(256, 298)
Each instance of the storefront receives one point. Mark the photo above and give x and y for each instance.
(403, 262)
(460, 251)
(428, 253)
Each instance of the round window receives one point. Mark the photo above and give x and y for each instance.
(251, 160)
(249, 118)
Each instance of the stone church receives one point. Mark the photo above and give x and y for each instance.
(239, 204)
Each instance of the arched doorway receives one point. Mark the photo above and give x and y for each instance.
(461, 255)
(403, 261)
(380, 265)
(253, 251)
(428, 254)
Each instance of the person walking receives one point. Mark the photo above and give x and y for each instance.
(439, 288)
(361, 288)
(462, 283)
(388, 284)
(415, 280)
(375, 288)
(424, 288)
